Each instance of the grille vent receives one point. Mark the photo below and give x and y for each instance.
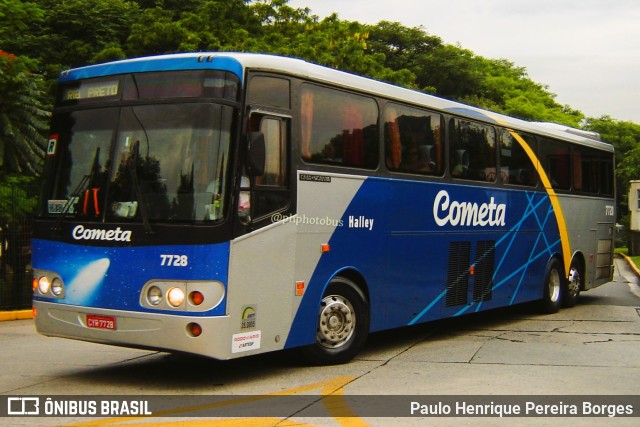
(484, 265)
(458, 273)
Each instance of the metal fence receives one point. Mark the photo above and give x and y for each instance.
(16, 224)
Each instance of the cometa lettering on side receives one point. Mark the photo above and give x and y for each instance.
(459, 214)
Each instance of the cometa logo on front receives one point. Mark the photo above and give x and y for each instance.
(460, 214)
(118, 235)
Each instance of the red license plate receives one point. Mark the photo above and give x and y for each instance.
(101, 322)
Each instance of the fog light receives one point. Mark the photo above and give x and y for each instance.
(196, 297)
(154, 295)
(194, 329)
(43, 285)
(56, 287)
(175, 296)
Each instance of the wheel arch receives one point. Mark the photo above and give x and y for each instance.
(357, 278)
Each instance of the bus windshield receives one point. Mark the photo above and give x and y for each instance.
(164, 163)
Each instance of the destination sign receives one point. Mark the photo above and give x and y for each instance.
(91, 90)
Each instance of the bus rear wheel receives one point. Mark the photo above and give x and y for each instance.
(342, 324)
(553, 287)
(573, 285)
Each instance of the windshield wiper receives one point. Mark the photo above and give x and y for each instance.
(82, 187)
(133, 170)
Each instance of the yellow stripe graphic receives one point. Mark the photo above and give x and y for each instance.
(553, 197)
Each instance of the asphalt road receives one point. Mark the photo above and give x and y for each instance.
(591, 349)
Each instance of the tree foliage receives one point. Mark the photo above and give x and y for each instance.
(23, 117)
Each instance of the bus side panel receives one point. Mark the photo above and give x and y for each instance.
(592, 236)
(403, 236)
(456, 249)
(322, 201)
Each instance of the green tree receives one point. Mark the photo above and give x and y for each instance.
(456, 73)
(15, 18)
(76, 32)
(23, 117)
(16, 202)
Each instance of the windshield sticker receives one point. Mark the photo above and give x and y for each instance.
(58, 206)
(51, 146)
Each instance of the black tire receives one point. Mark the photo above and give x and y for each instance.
(573, 284)
(342, 326)
(553, 286)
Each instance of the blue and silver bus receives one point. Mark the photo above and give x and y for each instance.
(228, 204)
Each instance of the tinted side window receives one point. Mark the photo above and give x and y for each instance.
(606, 174)
(473, 151)
(515, 166)
(413, 140)
(554, 156)
(338, 128)
(270, 91)
(585, 169)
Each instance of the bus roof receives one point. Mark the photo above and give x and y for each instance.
(238, 63)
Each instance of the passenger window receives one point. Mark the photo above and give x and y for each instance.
(516, 167)
(585, 169)
(413, 140)
(338, 128)
(606, 178)
(554, 156)
(473, 151)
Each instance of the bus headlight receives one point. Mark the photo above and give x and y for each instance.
(47, 284)
(44, 284)
(154, 295)
(56, 287)
(175, 296)
(182, 295)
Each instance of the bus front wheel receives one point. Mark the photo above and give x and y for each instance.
(552, 299)
(342, 324)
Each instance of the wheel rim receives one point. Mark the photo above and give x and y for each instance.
(337, 321)
(574, 282)
(554, 285)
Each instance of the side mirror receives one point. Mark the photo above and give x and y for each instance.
(257, 154)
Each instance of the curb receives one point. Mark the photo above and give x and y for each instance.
(16, 315)
(633, 266)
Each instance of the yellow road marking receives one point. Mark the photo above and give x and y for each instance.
(337, 408)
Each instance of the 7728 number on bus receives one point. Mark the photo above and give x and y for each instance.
(174, 260)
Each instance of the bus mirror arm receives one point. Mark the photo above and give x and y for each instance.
(257, 154)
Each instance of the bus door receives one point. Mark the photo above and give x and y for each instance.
(261, 279)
